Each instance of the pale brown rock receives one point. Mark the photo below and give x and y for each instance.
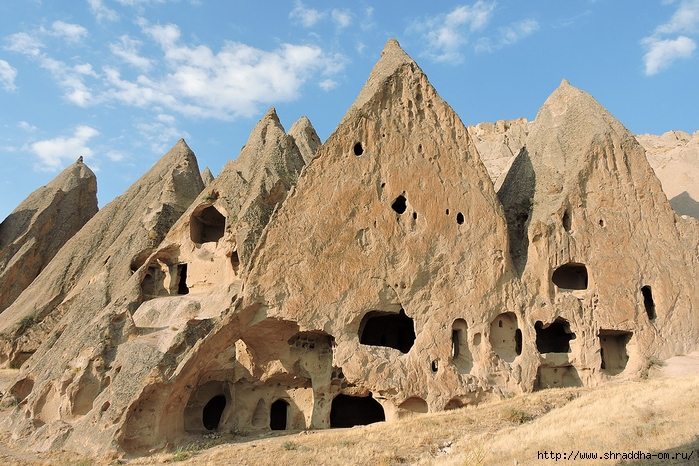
(207, 177)
(305, 137)
(498, 144)
(100, 258)
(387, 281)
(34, 232)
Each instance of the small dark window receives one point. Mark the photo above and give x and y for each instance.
(358, 150)
(648, 302)
(566, 221)
(414, 215)
(211, 416)
(455, 344)
(278, 415)
(518, 342)
(400, 204)
(555, 338)
(182, 279)
(235, 261)
(434, 366)
(459, 218)
(570, 276)
(207, 225)
(447, 211)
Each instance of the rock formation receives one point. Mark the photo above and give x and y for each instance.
(207, 177)
(34, 232)
(384, 279)
(498, 143)
(674, 157)
(101, 257)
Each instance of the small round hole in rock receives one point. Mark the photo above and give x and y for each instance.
(414, 215)
(459, 218)
(358, 150)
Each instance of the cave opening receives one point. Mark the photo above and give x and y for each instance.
(211, 415)
(350, 411)
(387, 329)
(278, 415)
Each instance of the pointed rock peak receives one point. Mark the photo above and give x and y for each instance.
(564, 83)
(80, 159)
(207, 177)
(305, 137)
(393, 58)
(271, 115)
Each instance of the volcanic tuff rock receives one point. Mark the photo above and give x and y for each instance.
(498, 143)
(674, 157)
(94, 263)
(123, 366)
(388, 280)
(34, 232)
(207, 177)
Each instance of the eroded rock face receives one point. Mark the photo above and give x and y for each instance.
(498, 144)
(34, 232)
(91, 267)
(598, 248)
(305, 137)
(207, 177)
(674, 157)
(385, 279)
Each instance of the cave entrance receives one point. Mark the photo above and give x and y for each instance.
(350, 411)
(278, 415)
(570, 276)
(554, 338)
(506, 337)
(387, 329)
(613, 350)
(206, 225)
(211, 415)
(460, 354)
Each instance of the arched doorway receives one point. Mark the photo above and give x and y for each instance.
(211, 415)
(278, 415)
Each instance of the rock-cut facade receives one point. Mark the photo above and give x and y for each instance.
(376, 276)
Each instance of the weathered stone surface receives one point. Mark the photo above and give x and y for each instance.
(122, 365)
(207, 177)
(601, 253)
(101, 257)
(305, 137)
(388, 280)
(498, 143)
(34, 232)
(674, 157)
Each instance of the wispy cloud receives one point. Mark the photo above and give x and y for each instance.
(446, 34)
(232, 82)
(663, 51)
(508, 35)
(71, 32)
(342, 18)
(101, 12)
(24, 43)
(309, 17)
(7, 76)
(54, 153)
(26, 126)
(128, 50)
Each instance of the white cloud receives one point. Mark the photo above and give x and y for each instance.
(71, 79)
(53, 153)
(328, 84)
(26, 126)
(342, 18)
(508, 35)
(101, 11)
(233, 82)
(161, 135)
(115, 156)
(127, 49)
(25, 44)
(445, 34)
(661, 53)
(7, 76)
(307, 16)
(72, 32)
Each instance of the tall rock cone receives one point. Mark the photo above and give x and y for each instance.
(34, 232)
(207, 177)
(356, 274)
(101, 257)
(173, 297)
(598, 247)
(305, 137)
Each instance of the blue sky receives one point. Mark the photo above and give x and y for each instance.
(120, 81)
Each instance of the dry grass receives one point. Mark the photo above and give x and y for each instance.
(652, 416)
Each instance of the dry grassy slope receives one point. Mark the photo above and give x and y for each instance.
(656, 415)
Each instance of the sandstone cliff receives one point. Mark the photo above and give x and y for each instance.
(34, 232)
